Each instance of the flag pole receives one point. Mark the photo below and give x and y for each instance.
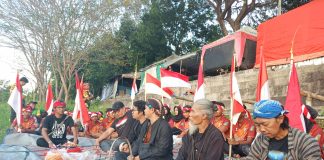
(231, 131)
(134, 79)
(145, 87)
(232, 108)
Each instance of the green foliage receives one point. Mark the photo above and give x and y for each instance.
(188, 24)
(288, 5)
(4, 91)
(149, 41)
(4, 119)
(168, 27)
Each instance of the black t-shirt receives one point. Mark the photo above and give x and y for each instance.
(278, 149)
(55, 129)
(125, 126)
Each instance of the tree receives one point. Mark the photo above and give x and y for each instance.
(149, 41)
(288, 5)
(188, 24)
(233, 12)
(55, 34)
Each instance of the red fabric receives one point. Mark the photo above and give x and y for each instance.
(76, 149)
(276, 35)
(235, 95)
(82, 111)
(244, 129)
(183, 125)
(49, 97)
(222, 121)
(19, 89)
(262, 79)
(293, 101)
(167, 73)
(318, 134)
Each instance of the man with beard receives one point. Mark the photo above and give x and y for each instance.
(155, 140)
(123, 125)
(55, 128)
(204, 141)
(277, 140)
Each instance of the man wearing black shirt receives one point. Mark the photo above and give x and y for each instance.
(138, 114)
(155, 141)
(123, 125)
(55, 128)
(204, 141)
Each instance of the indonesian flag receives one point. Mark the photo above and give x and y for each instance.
(263, 92)
(153, 86)
(200, 90)
(122, 121)
(307, 114)
(235, 95)
(80, 109)
(293, 101)
(134, 88)
(173, 79)
(49, 99)
(15, 100)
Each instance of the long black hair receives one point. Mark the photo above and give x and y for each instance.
(168, 115)
(179, 117)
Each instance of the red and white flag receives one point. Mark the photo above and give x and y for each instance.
(134, 89)
(15, 100)
(293, 101)
(235, 95)
(200, 90)
(173, 79)
(263, 92)
(153, 86)
(80, 109)
(49, 99)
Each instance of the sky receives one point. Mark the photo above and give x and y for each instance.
(12, 60)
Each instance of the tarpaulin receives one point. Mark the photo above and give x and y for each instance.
(300, 30)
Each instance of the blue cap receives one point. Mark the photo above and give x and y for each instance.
(268, 109)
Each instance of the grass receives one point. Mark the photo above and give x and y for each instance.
(4, 119)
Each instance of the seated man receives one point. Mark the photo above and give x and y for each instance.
(312, 128)
(124, 125)
(55, 128)
(219, 120)
(94, 128)
(243, 135)
(155, 140)
(107, 122)
(139, 115)
(277, 140)
(28, 124)
(204, 140)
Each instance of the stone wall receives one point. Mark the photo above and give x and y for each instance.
(311, 78)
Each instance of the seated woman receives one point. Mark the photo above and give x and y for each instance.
(166, 114)
(183, 124)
